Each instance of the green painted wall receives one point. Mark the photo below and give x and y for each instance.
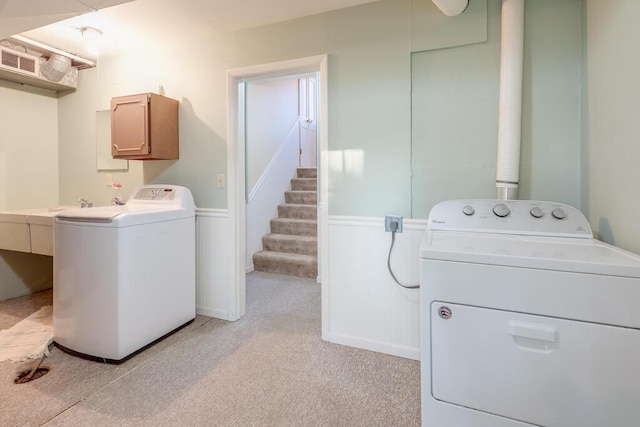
(405, 130)
(455, 112)
(612, 139)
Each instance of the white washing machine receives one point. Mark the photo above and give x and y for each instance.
(124, 276)
(526, 319)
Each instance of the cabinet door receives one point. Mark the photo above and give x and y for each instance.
(130, 126)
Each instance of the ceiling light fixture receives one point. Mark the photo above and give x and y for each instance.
(90, 33)
(92, 37)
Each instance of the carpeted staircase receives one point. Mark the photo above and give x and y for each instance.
(291, 248)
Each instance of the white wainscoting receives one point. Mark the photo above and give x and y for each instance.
(367, 309)
(214, 263)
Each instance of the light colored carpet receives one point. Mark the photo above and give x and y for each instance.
(270, 368)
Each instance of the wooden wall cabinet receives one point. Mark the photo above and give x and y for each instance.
(144, 127)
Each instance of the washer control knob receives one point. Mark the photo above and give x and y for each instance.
(536, 212)
(501, 210)
(559, 213)
(468, 210)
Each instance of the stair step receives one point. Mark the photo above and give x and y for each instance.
(307, 172)
(301, 197)
(306, 245)
(300, 227)
(304, 184)
(285, 263)
(299, 211)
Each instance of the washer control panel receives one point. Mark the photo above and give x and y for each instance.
(155, 193)
(527, 217)
(161, 196)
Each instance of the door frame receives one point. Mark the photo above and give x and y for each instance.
(237, 175)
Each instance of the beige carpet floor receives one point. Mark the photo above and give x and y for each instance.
(270, 368)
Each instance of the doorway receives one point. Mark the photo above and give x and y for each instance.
(281, 200)
(236, 86)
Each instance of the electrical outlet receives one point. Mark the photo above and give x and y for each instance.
(220, 179)
(389, 219)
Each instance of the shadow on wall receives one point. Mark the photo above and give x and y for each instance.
(605, 232)
(24, 273)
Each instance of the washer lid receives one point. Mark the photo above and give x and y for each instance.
(537, 252)
(122, 216)
(99, 214)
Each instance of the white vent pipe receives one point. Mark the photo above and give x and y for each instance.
(510, 109)
(451, 7)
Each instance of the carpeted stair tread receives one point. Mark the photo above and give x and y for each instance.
(292, 246)
(286, 263)
(304, 184)
(302, 227)
(289, 243)
(301, 197)
(297, 210)
(307, 172)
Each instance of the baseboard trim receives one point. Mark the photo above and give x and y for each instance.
(209, 312)
(380, 347)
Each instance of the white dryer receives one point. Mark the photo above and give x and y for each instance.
(124, 276)
(526, 319)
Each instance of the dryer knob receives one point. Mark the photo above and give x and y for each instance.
(559, 213)
(536, 212)
(501, 210)
(468, 210)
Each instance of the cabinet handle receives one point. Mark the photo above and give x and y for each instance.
(127, 149)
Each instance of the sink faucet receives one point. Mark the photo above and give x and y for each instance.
(117, 201)
(84, 203)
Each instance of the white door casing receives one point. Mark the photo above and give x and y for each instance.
(236, 171)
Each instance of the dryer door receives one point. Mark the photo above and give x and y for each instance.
(540, 370)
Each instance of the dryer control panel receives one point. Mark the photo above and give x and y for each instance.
(526, 217)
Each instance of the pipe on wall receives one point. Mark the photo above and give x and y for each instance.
(451, 7)
(510, 105)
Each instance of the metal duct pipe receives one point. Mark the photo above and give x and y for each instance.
(56, 67)
(510, 108)
(451, 7)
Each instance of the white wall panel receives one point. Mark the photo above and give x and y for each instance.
(367, 309)
(213, 261)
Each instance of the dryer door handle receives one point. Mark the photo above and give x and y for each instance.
(532, 331)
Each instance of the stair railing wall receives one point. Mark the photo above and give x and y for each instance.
(268, 193)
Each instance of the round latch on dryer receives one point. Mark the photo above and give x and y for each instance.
(444, 312)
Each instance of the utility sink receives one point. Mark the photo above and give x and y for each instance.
(29, 230)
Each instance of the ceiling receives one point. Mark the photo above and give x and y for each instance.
(130, 23)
